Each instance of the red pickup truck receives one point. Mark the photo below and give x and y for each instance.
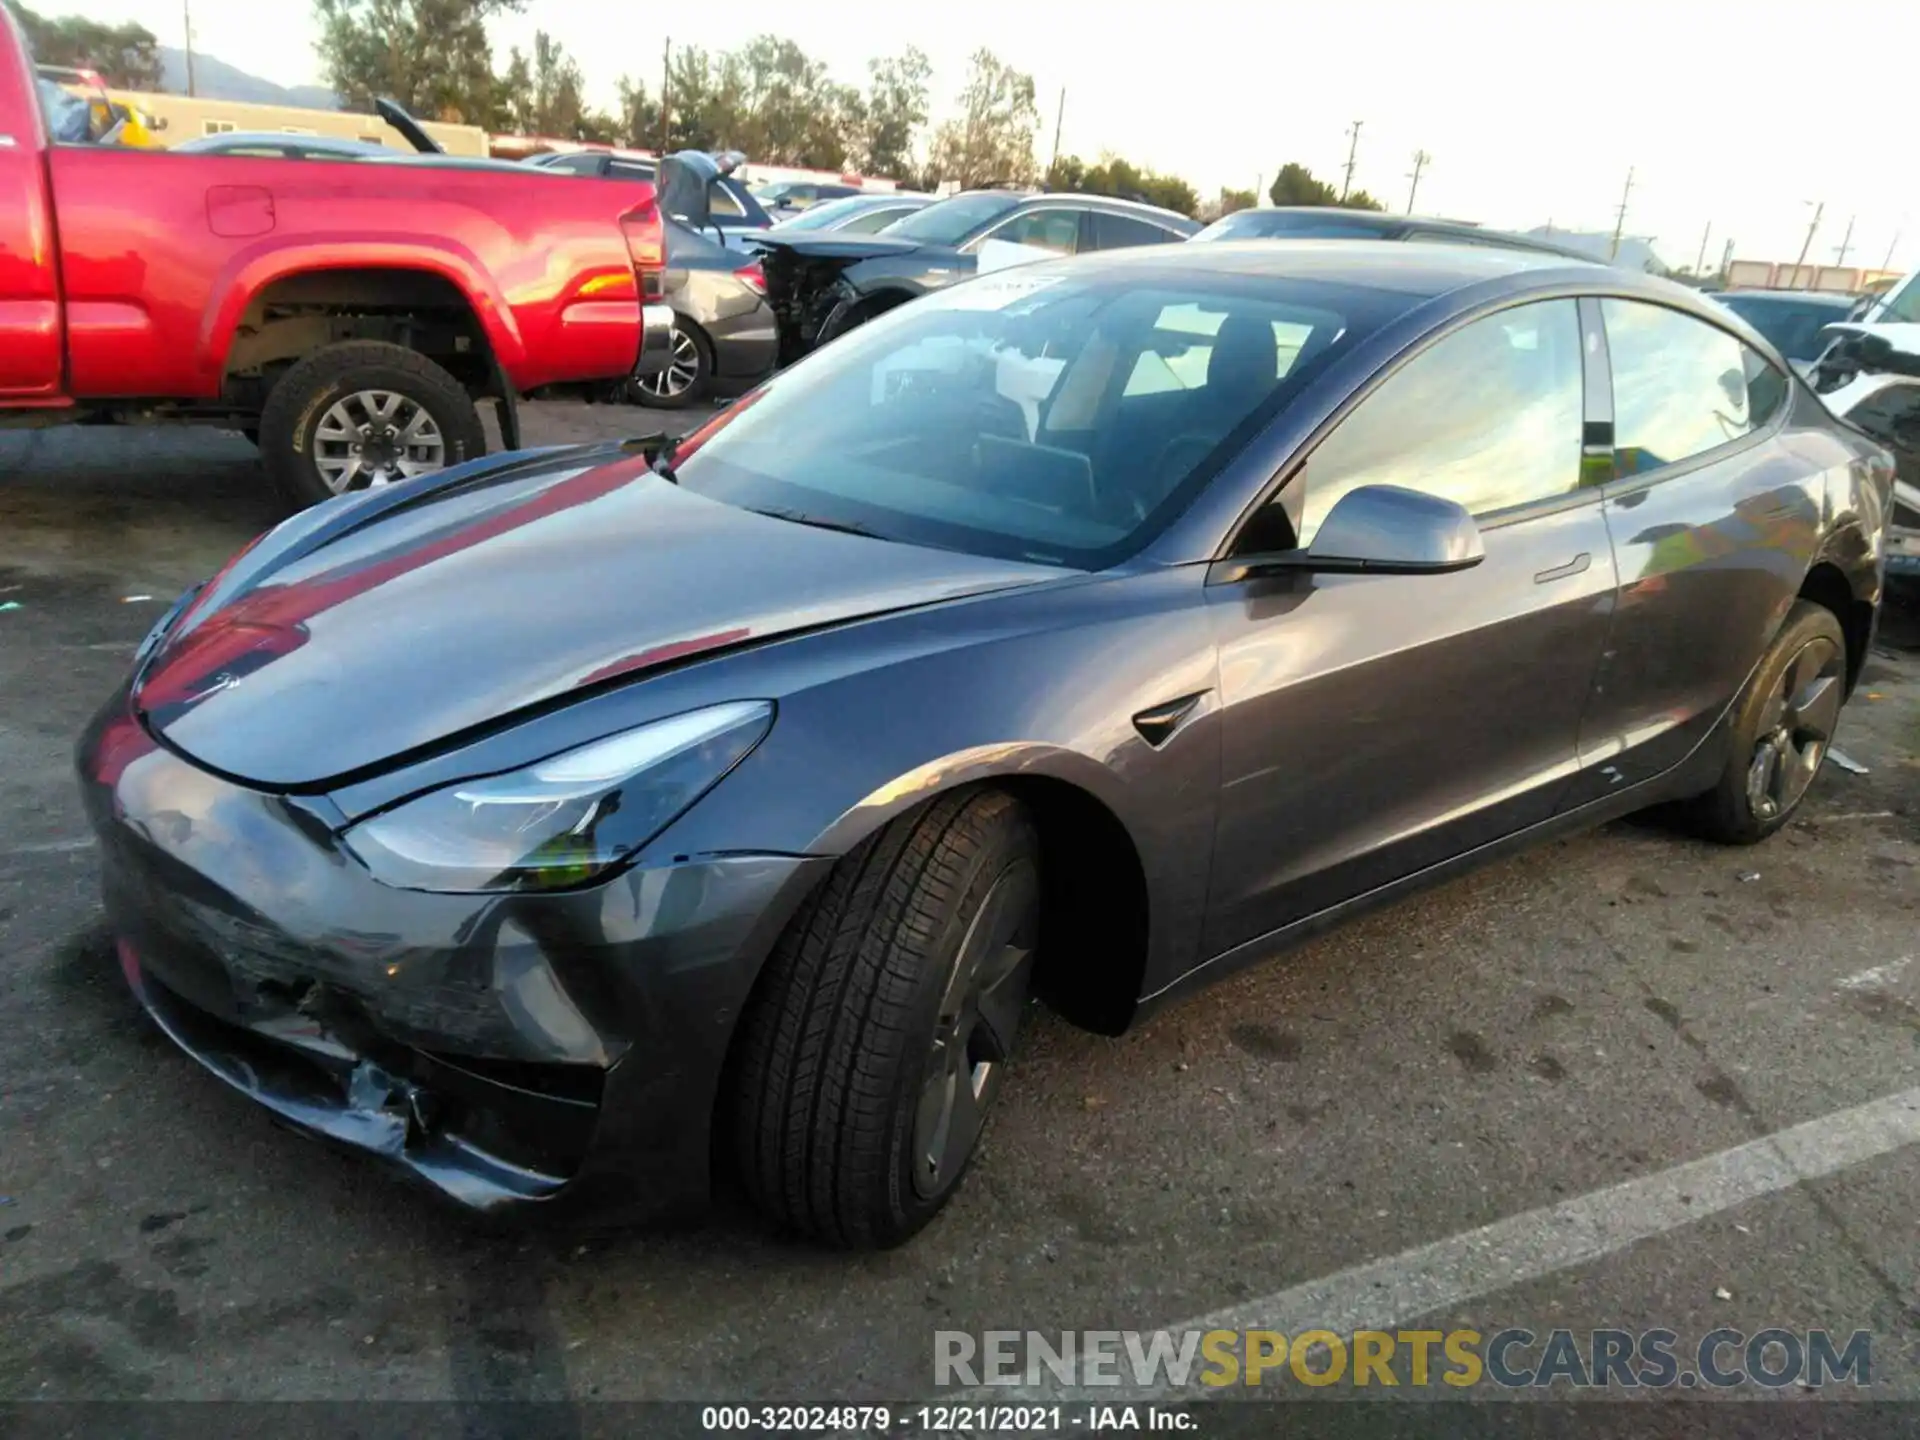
(347, 315)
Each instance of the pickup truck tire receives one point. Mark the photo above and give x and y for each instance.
(876, 1039)
(431, 421)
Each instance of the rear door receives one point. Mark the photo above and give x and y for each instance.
(1714, 524)
(1378, 724)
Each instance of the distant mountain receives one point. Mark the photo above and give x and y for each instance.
(214, 79)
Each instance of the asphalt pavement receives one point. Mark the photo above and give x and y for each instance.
(1541, 1049)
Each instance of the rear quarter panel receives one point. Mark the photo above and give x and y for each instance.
(158, 271)
(30, 318)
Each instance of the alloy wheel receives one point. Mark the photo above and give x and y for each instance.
(683, 368)
(974, 1034)
(375, 437)
(1795, 729)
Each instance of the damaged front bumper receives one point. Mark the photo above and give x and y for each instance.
(509, 1051)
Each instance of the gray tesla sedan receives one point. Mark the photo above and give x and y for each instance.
(563, 827)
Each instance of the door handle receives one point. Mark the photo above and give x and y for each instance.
(1576, 566)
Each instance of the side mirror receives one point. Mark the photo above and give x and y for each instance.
(1378, 530)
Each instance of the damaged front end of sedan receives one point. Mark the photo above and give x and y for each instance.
(1869, 376)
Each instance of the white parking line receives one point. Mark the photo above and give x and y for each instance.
(1877, 978)
(1385, 1294)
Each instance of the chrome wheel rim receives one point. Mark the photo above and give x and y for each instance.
(683, 368)
(973, 1036)
(375, 437)
(1796, 728)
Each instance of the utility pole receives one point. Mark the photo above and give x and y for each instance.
(186, 15)
(1700, 265)
(1353, 149)
(1807, 244)
(1726, 259)
(1620, 217)
(1420, 162)
(1059, 119)
(1887, 264)
(1846, 243)
(666, 91)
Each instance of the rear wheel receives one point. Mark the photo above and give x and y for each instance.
(363, 414)
(687, 378)
(879, 1035)
(1781, 730)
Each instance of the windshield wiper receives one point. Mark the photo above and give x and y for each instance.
(845, 527)
(663, 447)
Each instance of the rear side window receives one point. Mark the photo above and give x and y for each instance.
(1117, 232)
(722, 201)
(585, 163)
(1681, 387)
(1055, 230)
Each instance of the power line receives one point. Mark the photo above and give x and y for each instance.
(1620, 217)
(1353, 150)
(1420, 162)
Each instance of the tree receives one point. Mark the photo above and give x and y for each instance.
(126, 56)
(1297, 185)
(992, 142)
(638, 120)
(431, 56)
(1119, 178)
(1232, 200)
(896, 109)
(546, 96)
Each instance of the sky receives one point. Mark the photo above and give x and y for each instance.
(1532, 112)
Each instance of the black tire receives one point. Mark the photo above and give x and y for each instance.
(252, 436)
(301, 400)
(1797, 689)
(837, 1065)
(690, 345)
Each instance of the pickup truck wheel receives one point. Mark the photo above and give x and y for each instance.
(361, 414)
(878, 1035)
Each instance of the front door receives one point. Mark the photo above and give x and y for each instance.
(1376, 724)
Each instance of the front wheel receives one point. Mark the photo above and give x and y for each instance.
(362, 414)
(878, 1038)
(1782, 727)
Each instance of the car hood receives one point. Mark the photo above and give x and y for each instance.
(392, 625)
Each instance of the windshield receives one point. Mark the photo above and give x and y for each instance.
(1287, 224)
(1903, 304)
(1042, 414)
(951, 221)
(1793, 326)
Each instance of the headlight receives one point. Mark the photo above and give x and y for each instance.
(563, 820)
